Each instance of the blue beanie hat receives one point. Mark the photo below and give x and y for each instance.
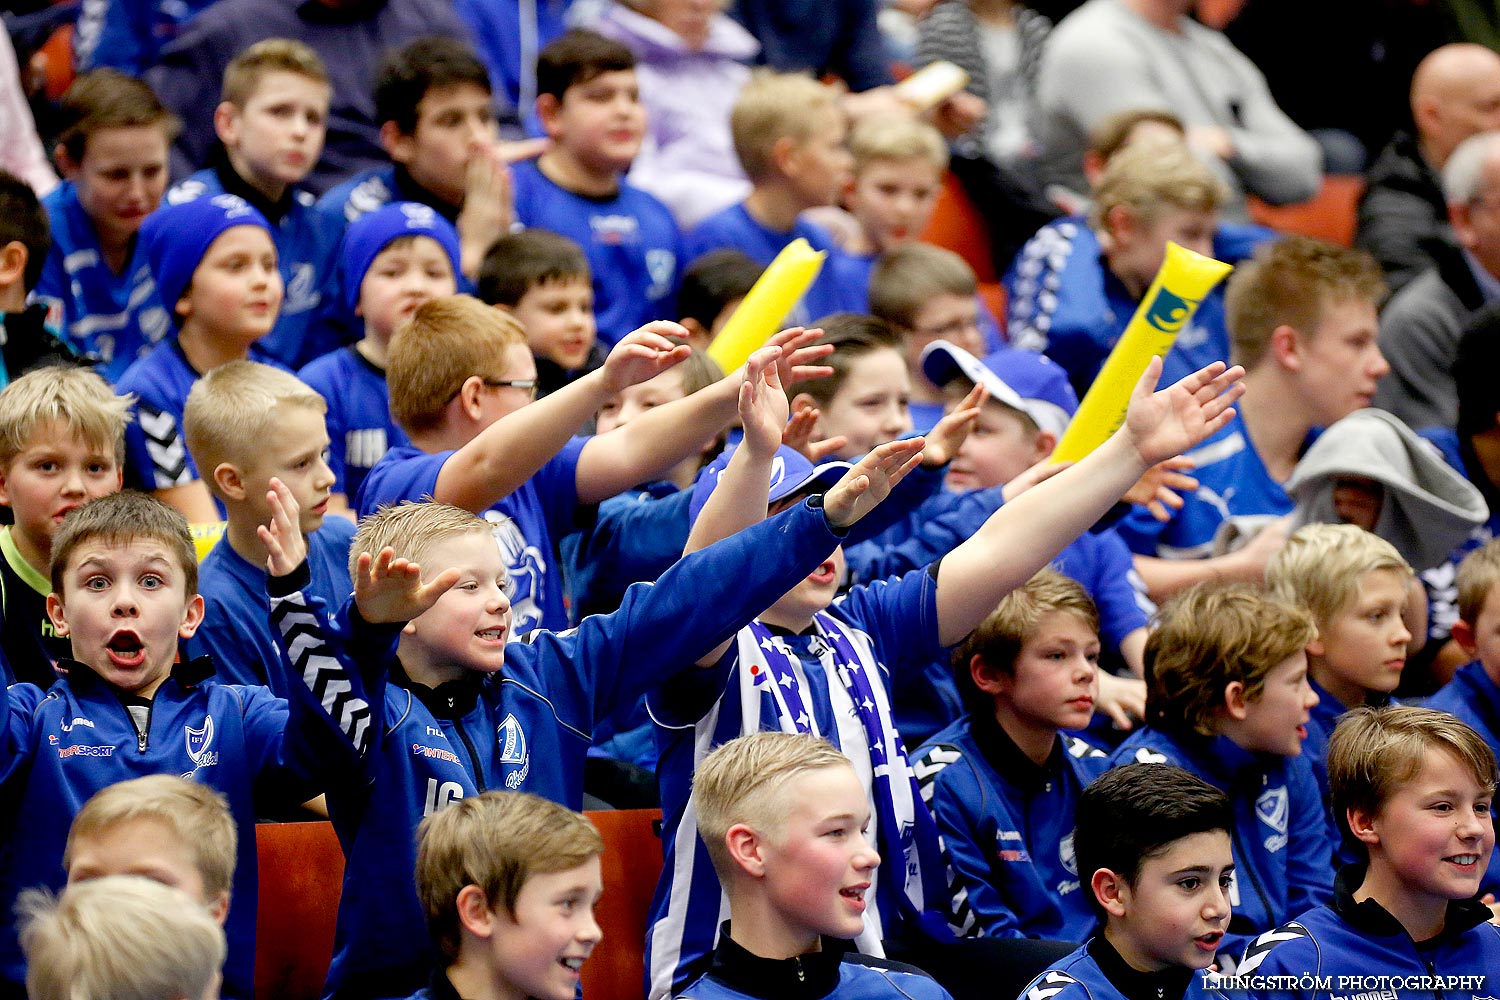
(372, 233)
(791, 473)
(175, 238)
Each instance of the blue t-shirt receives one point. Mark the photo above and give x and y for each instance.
(735, 227)
(236, 629)
(546, 507)
(630, 238)
(360, 426)
(1234, 485)
(156, 452)
(306, 254)
(118, 317)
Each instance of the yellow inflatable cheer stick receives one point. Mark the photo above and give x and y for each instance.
(206, 536)
(774, 294)
(1184, 279)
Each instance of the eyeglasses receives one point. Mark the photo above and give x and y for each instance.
(948, 330)
(527, 385)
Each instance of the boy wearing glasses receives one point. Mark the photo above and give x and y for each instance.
(462, 382)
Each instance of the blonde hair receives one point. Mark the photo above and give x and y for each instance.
(1000, 637)
(246, 70)
(1115, 132)
(744, 781)
(65, 395)
(1153, 179)
(1209, 637)
(907, 278)
(496, 841)
(197, 815)
(1374, 751)
(230, 411)
(1477, 576)
(773, 106)
(410, 529)
(447, 341)
(1291, 282)
(1321, 565)
(891, 137)
(123, 937)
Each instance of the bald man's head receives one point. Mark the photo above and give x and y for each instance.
(1455, 93)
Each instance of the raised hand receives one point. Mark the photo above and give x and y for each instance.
(1123, 699)
(798, 352)
(643, 354)
(871, 481)
(763, 404)
(1165, 423)
(286, 548)
(489, 205)
(1161, 487)
(949, 433)
(387, 589)
(798, 435)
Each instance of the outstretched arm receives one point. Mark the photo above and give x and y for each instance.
(657, 440)
(1029, 531)
(510, 451)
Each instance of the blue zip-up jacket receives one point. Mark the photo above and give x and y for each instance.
(118, 317)
(1364, 940)
(1282, 850)
(1097, 972)
(524, 729)
(1475, 699)
(1008, 827)
(63, 745)
(835, 972)
(307, 244)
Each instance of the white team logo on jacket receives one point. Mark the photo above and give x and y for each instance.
(198, 742)
(511, 739)
(1272, 808)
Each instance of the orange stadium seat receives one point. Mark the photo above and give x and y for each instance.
(632, 862)
(1329, 216)
(301, 870)
(302, 867)
(957, 225)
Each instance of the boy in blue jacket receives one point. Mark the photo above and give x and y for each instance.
(1228, 699)
(784, 818)
(1152, 844)
(1003, 781)
(124, 580)
(1413, 789)
(448, 723)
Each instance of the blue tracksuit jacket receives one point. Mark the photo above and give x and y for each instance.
(525, 729)
(1008, 827)
(1282, 850)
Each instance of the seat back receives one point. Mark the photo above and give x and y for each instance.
(301, 875)
(632, 863)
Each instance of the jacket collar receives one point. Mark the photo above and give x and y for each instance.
(806, 977)
(450, 700)
(1372, 918)
(1166, 984)
(1002, 754)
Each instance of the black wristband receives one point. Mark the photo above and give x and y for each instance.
(297, 579)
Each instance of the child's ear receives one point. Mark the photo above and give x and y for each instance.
(58, 615)
(192, 617)
(802, 400)
(13, 257)
(219, 908)
(744, 845)
(699, 335)
(1045, 444)
(184, 306)
(397, 144)
(1362, 825)
(987, 678)
(549, 113)
(1121, 223)
(1235, 702)
(1286, 347)
(474, 913)
(1317, 647)
(468, 397)
(1111, 890)
(227, 124)
(66, 165)
(783, 153)
(1462, 632)
(229, 480)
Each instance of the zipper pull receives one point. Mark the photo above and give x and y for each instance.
(801, 972)
(140, 742)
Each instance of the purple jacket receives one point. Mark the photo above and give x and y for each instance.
(687, 160)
